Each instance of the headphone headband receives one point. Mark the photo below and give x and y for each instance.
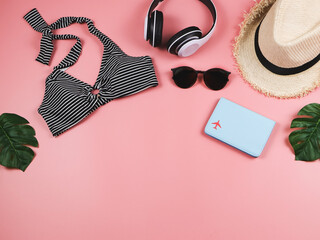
(213, 11)
(209, 4)
(153, 5)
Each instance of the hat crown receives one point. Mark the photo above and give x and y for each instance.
(289, 35)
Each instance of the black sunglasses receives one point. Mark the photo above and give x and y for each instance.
(214, 78)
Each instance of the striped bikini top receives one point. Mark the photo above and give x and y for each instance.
(68, 100)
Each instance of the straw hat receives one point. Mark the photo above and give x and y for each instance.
(278, 48)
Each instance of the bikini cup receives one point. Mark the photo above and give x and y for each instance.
(68, 100)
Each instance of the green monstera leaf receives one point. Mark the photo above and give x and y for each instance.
(15, 134)
(306, 140)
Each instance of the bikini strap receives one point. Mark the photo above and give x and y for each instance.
(46, 46)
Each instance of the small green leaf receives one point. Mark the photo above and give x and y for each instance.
(15, 136)
(306, 140)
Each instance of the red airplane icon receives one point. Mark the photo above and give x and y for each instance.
(217, 125)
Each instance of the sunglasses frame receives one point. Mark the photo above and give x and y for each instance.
(174, 70)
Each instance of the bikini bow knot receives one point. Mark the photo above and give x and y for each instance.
(39, 24)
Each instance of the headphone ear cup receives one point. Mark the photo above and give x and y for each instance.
(146, 28)
(155, 28)
(182, 37)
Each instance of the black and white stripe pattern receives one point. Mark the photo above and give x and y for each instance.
(68, 100)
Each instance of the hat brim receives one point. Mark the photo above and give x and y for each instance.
(260, 78)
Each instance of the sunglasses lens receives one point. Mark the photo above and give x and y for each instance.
(216, 78)
(184, 77)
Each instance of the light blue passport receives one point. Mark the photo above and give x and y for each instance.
(239, 127)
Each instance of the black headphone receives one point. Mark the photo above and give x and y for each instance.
(184, 43)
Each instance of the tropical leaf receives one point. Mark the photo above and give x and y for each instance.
(15, 135)
(306, 140)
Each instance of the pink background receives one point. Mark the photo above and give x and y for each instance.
(140, 167)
